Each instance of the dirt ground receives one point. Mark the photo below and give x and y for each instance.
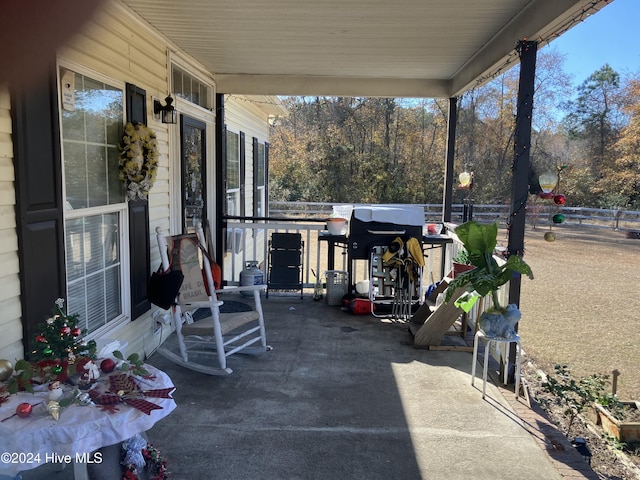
(582, 310)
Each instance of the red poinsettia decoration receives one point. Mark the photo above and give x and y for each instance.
(156, 465)
(123, 388)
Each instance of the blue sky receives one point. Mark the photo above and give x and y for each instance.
(606, 37)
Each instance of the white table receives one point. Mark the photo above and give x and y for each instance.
(480, 336)
(80, 430)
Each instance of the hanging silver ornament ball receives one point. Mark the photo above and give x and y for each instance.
(549, 236)
(6, 369)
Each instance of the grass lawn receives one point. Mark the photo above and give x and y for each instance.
(583, 307)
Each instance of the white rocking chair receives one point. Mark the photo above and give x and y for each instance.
(221, 334)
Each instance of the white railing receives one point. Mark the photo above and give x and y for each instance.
(248, 242)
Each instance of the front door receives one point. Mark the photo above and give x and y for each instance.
(193, 154)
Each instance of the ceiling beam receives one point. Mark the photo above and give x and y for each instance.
(330, 86)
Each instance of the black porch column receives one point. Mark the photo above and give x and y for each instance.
(221, 179)
(522, 142)
(521, 165)
(447, 194)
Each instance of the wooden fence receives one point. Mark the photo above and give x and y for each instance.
(538, 214)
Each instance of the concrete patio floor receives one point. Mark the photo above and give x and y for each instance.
(345, 397)
(349, 397)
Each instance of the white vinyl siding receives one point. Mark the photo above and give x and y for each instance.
(116, 45)
(247, 116)
(10, 320)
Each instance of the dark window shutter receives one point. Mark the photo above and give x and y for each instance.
(255, 176)
(223, 168)
(243, 174)
(39, 209)
(266, 179)
(139, 253)
(136, 104)
(139, 239)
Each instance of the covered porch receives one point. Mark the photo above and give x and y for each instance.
(410, 49)
(340, 396)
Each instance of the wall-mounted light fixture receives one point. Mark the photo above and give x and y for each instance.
(167, 113)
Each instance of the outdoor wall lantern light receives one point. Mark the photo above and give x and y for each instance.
(548, 181)
(167, 113)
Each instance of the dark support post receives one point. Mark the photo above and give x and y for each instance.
(467, 210)
(447, 195)
(521, 161)
(220, 162)
(521, 165)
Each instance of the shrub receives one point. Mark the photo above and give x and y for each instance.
(573, 395)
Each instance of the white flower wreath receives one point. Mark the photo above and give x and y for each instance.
(138, 160)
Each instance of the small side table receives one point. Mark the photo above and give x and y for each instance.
(487, 340)
(80, 430)
(332, 241)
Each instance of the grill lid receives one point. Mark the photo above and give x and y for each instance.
(397, 215)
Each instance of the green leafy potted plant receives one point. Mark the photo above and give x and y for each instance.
(480, 240)
(461, 263)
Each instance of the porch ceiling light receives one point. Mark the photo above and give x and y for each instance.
(548, 181)
(167, 113)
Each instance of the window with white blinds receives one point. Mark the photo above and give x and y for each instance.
(260, 180)
(233, 173)
(91, 127)
(94, 268)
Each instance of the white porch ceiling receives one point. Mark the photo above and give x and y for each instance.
(395, 48)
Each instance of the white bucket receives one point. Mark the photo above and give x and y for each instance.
(335, 225)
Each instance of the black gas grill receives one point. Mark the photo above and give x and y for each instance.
(379, 225)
